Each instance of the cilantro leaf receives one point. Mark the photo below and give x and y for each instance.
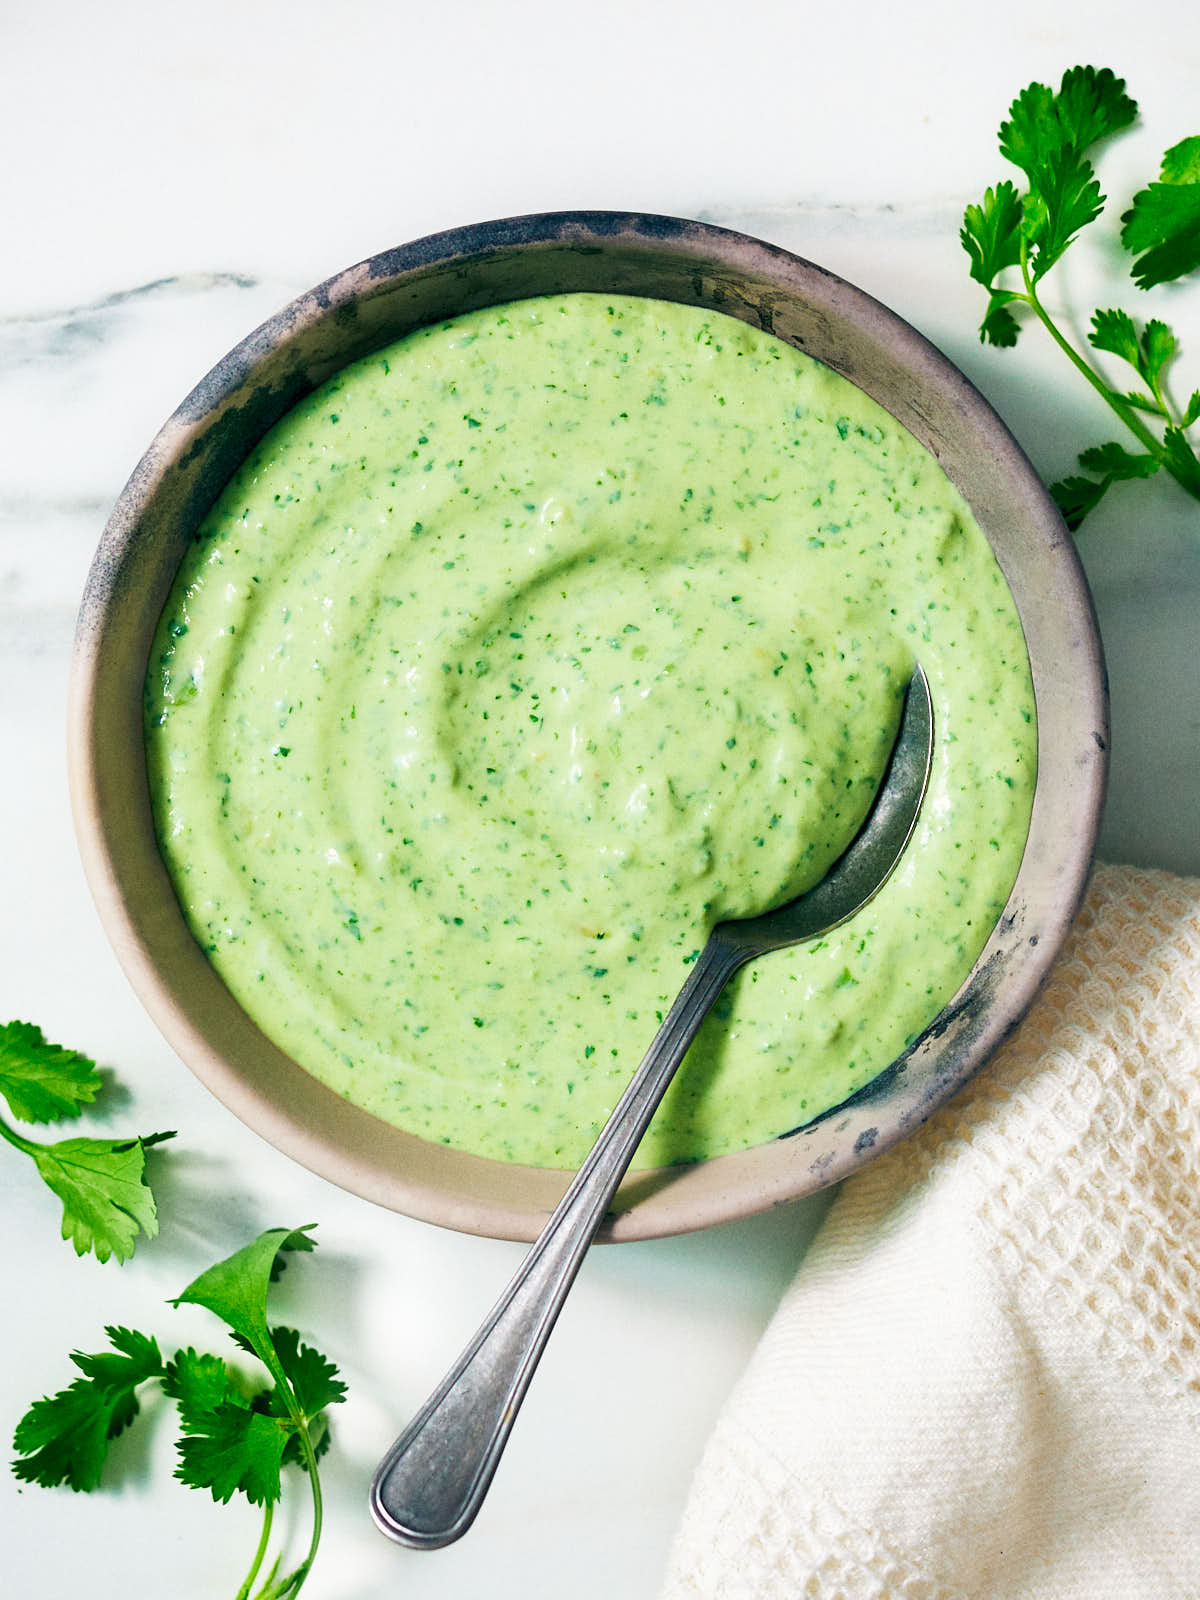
(1192, 413)
(1158, 346)
(991, 236)
(1091, 104)
(43, 1082)
(991, 232)
(1115, 332)
(64, 1438)
(315, 1385)
(231, 1445)
(1181, 461)
(999, 326)
(1032, 129)
(1064, 197)
(236, 1289)
(1114, 462)
(313, 1378)
(1046, 135)
(1150, 352)
(1142, 402)
(102, 1186)
(1181, 164)
(1162, 227)
(1077, 497)
(198, 1384)
(235, 1450)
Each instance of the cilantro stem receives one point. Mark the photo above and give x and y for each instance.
(15, 1139)
(294, 1581)
(1129, 417)
(264, 1538)
(1166, 409)
(314, 1478)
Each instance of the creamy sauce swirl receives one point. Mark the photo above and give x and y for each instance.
(529, 647)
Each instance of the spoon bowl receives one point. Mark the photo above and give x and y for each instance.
(432, 1482)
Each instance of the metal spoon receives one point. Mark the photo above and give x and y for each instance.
(433, 1480)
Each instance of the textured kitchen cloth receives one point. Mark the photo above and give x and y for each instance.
(984, 1383)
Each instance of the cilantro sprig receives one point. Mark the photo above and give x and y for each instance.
(1013, 238)
(102, 1184)
(236, 1435)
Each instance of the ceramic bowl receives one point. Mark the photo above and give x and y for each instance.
(368, 306)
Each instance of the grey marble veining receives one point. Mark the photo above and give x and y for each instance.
(82, 391)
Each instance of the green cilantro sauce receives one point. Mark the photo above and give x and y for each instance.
(529, 647)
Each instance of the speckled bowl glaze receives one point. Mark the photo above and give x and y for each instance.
(370, 305)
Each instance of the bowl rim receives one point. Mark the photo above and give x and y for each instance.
(494, 1198)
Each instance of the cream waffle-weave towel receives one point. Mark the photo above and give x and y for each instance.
(984, 1383)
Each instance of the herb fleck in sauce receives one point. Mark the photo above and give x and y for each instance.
(523, 651)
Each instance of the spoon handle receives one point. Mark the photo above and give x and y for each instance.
(433, 1480)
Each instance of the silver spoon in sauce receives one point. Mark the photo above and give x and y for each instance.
(433, 1480)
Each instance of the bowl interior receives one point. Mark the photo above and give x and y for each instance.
(374, 303)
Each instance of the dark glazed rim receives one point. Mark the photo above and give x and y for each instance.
(369, 305)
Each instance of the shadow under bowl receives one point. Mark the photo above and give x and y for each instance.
(370, 305)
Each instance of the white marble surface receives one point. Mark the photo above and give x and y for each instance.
(172, 176)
